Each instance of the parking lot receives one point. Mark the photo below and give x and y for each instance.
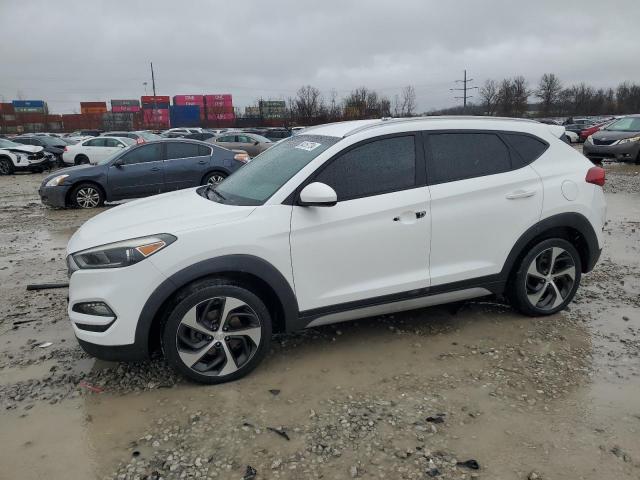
(409, 395)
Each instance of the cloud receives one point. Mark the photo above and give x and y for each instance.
(71, 51)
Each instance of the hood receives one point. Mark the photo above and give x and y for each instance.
(173, 213)
(25, 149)
(613, 135)
(68, 171)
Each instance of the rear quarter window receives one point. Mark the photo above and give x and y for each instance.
(527, 147)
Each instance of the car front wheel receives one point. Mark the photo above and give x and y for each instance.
(547, 278)
(218, 331)
(6, 167)
(214, 178)
(87, 195)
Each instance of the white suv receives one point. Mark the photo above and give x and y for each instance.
(343, 221)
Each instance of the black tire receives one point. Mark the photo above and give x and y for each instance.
(213, 178)
(213, 350)
(81, 160)
(6, 166)
(554, 287)
(86, 195)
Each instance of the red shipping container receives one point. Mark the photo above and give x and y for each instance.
(147, 99)
(6, 108)
(125, 109)
(158, 118)
(93, 104)
(224, 99)
(188, 100)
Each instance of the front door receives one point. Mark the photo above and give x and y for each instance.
(185, 164)
(137, 173)
(375, 241)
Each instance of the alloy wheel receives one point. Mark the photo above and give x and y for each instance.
(218, 336)
(550, 278)
(215, 179)
(88, 197)
(5, 168)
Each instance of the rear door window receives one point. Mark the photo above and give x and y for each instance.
(97, 142)
(458, 156)
(527, 147)
(376, 167)
(181, 150)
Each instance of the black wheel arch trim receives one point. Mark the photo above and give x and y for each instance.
(235, 263)
(572, 220)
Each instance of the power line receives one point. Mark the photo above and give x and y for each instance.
(464, 89)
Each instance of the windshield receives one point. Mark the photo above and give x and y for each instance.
(254, 183)
(9, 144)
(628, 124)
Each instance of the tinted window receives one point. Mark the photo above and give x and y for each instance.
(112, 142)
(146, 153)
(244, 139)
(456, 156)
(96, 142)
(380, 166)
(181, 150)
(24, 141)
(204, 151)
(527, 147)
(229, 138)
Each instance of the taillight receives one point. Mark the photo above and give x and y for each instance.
(66, 149)
(596, 176)
(139, 140)
(241, 157)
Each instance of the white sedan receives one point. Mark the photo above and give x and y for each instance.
(572, 136)
(94, 149)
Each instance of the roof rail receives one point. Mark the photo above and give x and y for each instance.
(388, 120)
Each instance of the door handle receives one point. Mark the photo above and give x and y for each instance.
(520, 194)
(155, 169)
(202, 162)
(419, 215)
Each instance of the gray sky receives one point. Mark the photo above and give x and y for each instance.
(70, 51)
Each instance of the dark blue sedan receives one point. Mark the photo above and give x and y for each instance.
(140, 171)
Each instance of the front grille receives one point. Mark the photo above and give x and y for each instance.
(36, 156)
(602, 142)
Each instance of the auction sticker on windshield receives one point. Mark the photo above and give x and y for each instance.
(308, 146)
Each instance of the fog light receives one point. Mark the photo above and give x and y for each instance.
(99, 309)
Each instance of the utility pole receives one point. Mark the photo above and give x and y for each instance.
(153, 80)
(464, 89)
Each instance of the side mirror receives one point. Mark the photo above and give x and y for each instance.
(256, 142)
(118, 163)
(318, 194)
(120, 146)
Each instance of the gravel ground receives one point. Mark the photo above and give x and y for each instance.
(471, 390)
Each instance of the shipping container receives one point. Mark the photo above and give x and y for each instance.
(118, 121)
(155, 118)
(156, 106)
(185, 116)
(93, 107)
(180, 100)
(125, 103)
(150, 99)
(218, 100)
(125, 108)
(93, 104)
(6, 108)
(30, 117)
(29, 104)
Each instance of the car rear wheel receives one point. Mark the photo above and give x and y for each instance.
(87, 195)
(214, 178)
(547, 278)
(218, 331)
(81, 160)
(6, 167)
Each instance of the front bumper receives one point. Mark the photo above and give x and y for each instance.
(623, 153)
(54, 196)
(125, 291)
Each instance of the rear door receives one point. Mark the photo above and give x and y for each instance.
(374, 243)
(483, 198)
(138, 172)
(185, 164)
(93, 149)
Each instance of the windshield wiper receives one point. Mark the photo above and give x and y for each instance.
(211, 188)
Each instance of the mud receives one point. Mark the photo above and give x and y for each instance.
(555, 397)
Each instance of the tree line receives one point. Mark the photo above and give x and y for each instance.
(514, 97)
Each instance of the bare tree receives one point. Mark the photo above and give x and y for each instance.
(489, 95)
(308, 103)
(549, 90)
(521, 94)
(408, 101)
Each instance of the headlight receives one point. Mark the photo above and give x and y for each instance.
(590, 139)
(122, 254)
(55, 181)
(629, 140)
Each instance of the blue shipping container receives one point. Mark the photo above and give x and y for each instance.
(28, 103)
(185, 116)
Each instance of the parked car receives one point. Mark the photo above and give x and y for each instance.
(140, 136)
(139, 171)
(590, 130)
(572, 137)
(575, 128)
(84, 133)
(203, 136)
(619, 140)
(17, 157)
(52, 145)
(579, 121)
(180, 132)
(364, 218)
(277, 134)
(94, 149)
(251, 143)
